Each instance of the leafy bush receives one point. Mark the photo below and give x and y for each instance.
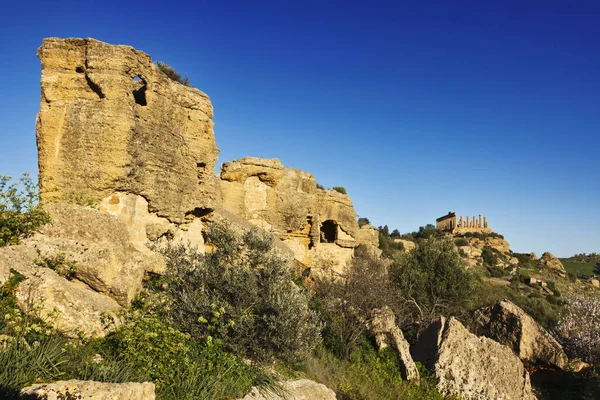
(433, 279)
(20, 212)
(363, 221)
(497, 272)
(461, 242)
(59, 264)
(339, 189)
(241, 293)
(346, 302)
(320, 187)
(490, 257)
(172, 74)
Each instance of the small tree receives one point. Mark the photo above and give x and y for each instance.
(579, 328)
(346, 303)
(395, 234)
(20, 212)
(340, 189)
(363, 221)
(433, 279)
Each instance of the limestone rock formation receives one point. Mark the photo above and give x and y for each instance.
(81, 310)
(385, 330)
(111, 121)
(302, 389)
(319, 226)
(106, 258)
(469, 366)
(549, 261)
(89, 390)
(508, 324)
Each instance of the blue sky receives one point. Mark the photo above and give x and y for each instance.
(417, 108)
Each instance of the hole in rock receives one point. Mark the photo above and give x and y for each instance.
(139, 94)
(199, 212)
(329, 231)
(79, 69)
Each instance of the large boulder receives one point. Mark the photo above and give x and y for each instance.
(89, 390)
(301, 389)
(111, 121)
(386, 332)
(506, 323)
(549, 261)
(80, 310)
(100, 245)
(471, 367)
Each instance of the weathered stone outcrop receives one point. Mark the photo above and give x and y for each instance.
(80, 309)
(111, 121)
(386, 332)
(368, 235)
(408, 244)
(469, 366)
(100, 244)
(507, 324)
(301, 389)
(549, 261)
(319, 226)
(89, 390)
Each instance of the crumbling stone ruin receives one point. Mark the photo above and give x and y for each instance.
(465, 224)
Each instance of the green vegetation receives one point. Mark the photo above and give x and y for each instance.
(339, 189)
(59, 264)
(363, 221)
(433, 280)
(172, 74)
(20, 212)
(580, 269)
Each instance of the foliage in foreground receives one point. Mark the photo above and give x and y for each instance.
(20, 212)
(369, 374)
(241, 293)
(579, 328)
(433, 279)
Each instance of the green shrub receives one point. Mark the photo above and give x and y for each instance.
(241, 293)
(172, 74)
(346, 303)
(339, 189)
(433, 280)
(363, 221)
(320, 187)
(489, 256)
(59, 264)
(461, 242)
(20, 212)
(497, 272)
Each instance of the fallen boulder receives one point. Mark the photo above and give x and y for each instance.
(302, 389)
(469, 366)
(508, 324)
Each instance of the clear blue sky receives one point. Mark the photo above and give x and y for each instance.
(417, 108)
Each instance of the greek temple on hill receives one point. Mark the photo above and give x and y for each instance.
(465, 224)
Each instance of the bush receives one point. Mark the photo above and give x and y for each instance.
(346, 303)
(241, 293)
(172, 74)
(489, 256)
(20, 212)
(461, 242)
(339, 189)
(433, 279)
(363, 221)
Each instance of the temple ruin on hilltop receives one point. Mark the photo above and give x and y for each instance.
(465, 224)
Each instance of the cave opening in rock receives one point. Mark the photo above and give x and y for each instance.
(139, 94)
(329, 231)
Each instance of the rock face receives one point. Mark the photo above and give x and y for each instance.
(302, 389)
(81, 310)
(408, 245)
(111, 121)
(89, 390)
(319, 226)
(508, 324)
(469, 366)
(383, 326)
(107, 260)
(549, 261)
